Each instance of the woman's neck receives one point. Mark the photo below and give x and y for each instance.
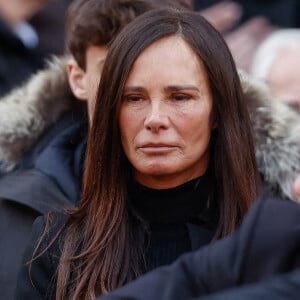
(168, 181)
(182, 203)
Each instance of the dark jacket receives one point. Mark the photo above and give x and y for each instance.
(17, 62)
(40, 282)
(47, 178)
(281, 287)
(266, 244)
(52, 183)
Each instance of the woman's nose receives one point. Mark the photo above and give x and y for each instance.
(157, 117)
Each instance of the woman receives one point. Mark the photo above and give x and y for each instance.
(170, 162)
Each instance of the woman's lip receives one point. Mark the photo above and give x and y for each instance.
(152, 145)
(156, 148)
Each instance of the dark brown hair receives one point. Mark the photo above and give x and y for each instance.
(97, 22)
(101, 228)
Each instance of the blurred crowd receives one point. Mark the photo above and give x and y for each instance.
(33, 32)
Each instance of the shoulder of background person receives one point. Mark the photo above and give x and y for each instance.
(273, 244)
(33, 189)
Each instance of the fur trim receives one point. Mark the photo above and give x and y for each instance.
(28, 110)
(276, 129)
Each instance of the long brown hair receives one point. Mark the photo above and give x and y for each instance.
(101, 246)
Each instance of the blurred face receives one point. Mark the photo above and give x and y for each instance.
(166, 115)
(284, 77)
(15, 11)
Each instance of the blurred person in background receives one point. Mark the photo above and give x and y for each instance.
(282, 13)
(48, 23)
(277, 62)
(245, 24)
(18, 41)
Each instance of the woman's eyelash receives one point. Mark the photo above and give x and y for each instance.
(132, 98)
(181, 97)
(177, 97)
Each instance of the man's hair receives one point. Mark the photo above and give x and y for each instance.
(97, 22)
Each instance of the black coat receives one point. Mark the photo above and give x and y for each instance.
(41, 283)
(48, 179)
(17, 62)
(281, 287)
(267, 244)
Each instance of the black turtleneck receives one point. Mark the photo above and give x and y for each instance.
(166, 214)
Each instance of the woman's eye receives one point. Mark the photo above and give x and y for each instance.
(181, 97)
(132, 98)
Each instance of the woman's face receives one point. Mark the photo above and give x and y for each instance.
(166, 115)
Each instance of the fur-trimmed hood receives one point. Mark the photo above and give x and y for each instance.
(276, 129)
(27, 111)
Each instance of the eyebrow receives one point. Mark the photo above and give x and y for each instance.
(169, 88)
(134, 89)
(181, 87)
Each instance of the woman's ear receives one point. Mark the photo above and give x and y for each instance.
(77, 80)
